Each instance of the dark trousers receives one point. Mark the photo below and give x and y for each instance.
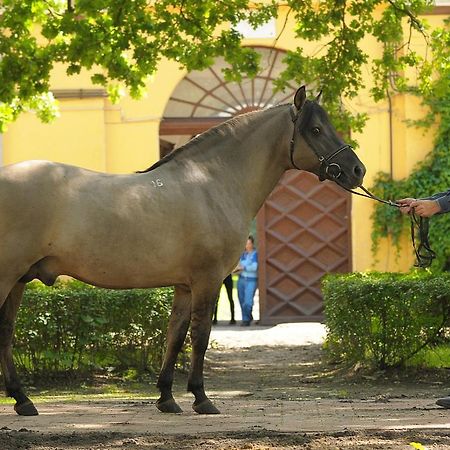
(228, 282)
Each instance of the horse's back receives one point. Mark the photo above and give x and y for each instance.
(22, 186)
(32, 192)
(29, 182)
(26, 170)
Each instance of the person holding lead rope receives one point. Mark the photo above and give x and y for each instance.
(426, 207)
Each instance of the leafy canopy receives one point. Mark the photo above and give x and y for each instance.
(122, 41)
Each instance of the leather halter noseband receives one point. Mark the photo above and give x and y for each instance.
(327, 168)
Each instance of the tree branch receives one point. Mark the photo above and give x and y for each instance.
(415, 22)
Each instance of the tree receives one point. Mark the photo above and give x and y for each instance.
(122, 41)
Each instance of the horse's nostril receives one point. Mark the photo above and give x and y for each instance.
(358, 171)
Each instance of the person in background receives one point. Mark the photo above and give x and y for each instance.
(426, 207)
(228, 282)
(248, 280)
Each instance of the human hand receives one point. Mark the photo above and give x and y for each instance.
(425, 208)
(405, 204)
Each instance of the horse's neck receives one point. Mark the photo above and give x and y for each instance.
(251, 156)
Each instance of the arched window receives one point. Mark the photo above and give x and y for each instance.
(204, 98)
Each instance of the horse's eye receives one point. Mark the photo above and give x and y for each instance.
(316, 131)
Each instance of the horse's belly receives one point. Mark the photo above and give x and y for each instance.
(121, 266)
(122, 276)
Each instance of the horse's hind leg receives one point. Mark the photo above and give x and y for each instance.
(176, 334)
(8, 313)
(203, 300)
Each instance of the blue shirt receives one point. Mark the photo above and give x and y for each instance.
(249, 261)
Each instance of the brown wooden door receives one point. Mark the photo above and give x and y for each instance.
(303, 233)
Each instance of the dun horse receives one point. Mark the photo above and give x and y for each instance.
(183, 222)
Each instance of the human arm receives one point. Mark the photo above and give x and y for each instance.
(443, 199)
(426, 207)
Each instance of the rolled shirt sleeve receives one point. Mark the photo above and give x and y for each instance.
(443, 198)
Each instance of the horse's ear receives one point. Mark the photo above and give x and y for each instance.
(319, 95)
(300, 97)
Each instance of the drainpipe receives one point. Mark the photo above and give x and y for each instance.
(391, 135)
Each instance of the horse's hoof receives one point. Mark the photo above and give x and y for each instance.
(169, 406)
(205, 407)
(26, 409)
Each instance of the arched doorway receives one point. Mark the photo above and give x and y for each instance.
(204, 98)
(304, 226)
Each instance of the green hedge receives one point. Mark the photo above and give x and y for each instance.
(384, 318)
(76, 327)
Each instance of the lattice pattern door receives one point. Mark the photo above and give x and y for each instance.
(303, 233)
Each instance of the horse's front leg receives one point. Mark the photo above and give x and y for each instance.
(8, 313)
(203, 301)
(176, 334)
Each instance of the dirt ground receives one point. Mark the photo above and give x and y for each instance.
(274, 391)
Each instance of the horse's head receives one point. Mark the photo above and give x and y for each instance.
(317, 147)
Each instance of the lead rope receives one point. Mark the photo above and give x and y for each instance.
(420, 227)
(424, 253)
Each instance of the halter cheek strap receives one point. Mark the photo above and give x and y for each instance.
(294, 117)
(327, 168)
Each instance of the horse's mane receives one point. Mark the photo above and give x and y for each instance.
(217, 130)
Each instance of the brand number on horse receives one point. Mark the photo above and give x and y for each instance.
(157, 183)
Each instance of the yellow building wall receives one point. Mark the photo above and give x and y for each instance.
(92, 132)
(133, 125)
(76, 137)
(121, 138)
(387, 126)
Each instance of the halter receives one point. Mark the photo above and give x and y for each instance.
(419, 225)
(327, 168)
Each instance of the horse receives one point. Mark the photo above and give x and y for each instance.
(183, 222)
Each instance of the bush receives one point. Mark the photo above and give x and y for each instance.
(76, 327)
(384, 318)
